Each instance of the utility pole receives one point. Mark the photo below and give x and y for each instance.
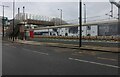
(13, 17)
(3, 20)
(80, 23)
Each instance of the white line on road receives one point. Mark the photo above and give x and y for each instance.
(35, 51)
(13, 46)
(9, 45)
(6, 44)
(41, 52)
(95, 63)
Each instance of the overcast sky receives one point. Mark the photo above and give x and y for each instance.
(97, 10)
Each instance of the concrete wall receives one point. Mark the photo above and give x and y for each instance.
(63, 31)
(94, 30)
(84, 30)
(108, 29)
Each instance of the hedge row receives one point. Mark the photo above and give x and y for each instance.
(107, 38)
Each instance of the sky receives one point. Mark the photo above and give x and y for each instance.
(95, 9)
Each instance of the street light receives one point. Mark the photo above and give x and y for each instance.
(3, 20)
(80, 23)
(18, 13)
(84, 13)
(60, 16)
(13, 17)
(24, 22)
(111, 10)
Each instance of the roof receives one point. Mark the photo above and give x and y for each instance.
(84, 24)
(101, 22)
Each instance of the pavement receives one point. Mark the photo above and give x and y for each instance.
(84, 47)
(102, 43)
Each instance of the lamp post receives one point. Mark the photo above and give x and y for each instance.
(13, 17)
(60, 16)
(80, 23)
(24, 22)
(85, 13)
(18, 13)
(3, 20)
(85, 18)
(23, 13)
(111, 10)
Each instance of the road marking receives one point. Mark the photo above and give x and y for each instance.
(13, 46)
(9, 45)
(41, 53)
(107, 59)
(35, 51)
(6, 44)
(94, 63)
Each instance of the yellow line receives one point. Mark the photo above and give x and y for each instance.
(107, 59)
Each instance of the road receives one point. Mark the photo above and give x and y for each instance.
(21, 59)
(76, 42)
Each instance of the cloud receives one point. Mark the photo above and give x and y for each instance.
(56, 0)
(70, 9)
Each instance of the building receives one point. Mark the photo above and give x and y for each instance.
(106, 28)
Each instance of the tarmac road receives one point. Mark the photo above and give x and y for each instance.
(23, 59)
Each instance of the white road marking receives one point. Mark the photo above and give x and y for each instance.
(103, 58)
(108, 65)
(9, 45)
(74, 40)
(41, 52)
(6, 44)
(13, 46)
(35, 51)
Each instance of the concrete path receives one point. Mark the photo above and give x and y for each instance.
(84, 47)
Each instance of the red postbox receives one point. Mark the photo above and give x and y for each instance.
(31, 34)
